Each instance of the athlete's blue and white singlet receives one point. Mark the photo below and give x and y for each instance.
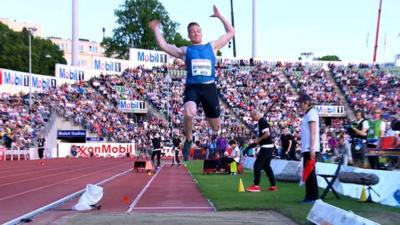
(200, 64)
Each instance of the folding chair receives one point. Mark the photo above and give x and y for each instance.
(331, 178)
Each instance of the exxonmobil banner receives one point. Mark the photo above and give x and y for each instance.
(12, 81)
(96, 149)
(148, 58)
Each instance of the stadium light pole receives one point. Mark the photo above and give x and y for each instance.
(254, 47)
(75, 31)
(30, 32)
(233, 25)
(377, 31)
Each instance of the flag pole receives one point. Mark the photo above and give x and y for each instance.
(377, 31)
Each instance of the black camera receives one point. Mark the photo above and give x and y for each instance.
(395, 124)
(349, 128)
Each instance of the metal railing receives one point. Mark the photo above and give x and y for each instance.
(14, 154)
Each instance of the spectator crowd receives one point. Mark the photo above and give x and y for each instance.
(243, 85)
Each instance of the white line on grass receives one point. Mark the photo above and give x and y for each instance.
(197, 184)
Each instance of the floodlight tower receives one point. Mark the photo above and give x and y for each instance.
(75, 31)
(254, 41)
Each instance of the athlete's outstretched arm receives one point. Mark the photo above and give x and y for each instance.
(168, 48)
(230, 31)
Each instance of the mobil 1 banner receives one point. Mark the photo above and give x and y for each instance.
(13, 82)
(73, 74)
(148, 58)
(132, 106)
(330, 110)
(110, 65)
(72, 136)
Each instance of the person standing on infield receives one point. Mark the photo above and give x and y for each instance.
(288, 152)
(264, 155)
(310, 144)
(200, 82)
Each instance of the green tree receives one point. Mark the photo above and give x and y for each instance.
(179, 41)
(14, 52)
(329, 58)
(133, 31)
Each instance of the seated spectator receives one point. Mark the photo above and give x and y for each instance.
(232, 155)
(342, 149)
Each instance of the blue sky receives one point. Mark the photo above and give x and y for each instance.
(285, 28)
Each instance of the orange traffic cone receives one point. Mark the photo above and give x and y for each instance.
(125, 199)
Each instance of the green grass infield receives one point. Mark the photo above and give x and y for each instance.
(222, 191)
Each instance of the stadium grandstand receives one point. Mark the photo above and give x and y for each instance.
(93, 105)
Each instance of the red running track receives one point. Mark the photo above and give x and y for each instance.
(117, 196)
(26, 185)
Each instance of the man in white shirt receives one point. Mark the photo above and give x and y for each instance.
(310, 144)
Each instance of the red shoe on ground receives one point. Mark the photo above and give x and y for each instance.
(254, 188)
(273, 188)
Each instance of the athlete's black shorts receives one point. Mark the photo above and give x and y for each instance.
(207, 95)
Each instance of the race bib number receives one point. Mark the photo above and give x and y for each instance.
(201, 67)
